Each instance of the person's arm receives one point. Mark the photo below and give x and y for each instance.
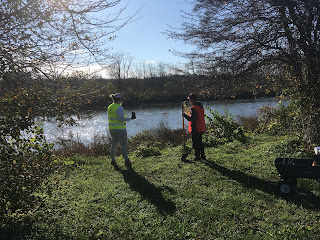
(193, 116)
(120, 113)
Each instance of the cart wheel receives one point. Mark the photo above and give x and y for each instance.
(286, 187)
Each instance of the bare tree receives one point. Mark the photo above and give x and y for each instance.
(237, 37)
(162, 70)
(151, 70)
(121, 65)
(127, 66)
(137, 71)
(34, 33)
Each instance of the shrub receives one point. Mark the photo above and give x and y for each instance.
(160, 137)
(210, 140)
(25, 163)
(280, 119)
(222, 129)
(149, 142)
(145, 151)
(26, 156)
(291, 147)
(249, 123)
(100, 146)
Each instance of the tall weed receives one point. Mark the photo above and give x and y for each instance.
(249, 123)
(100, 146)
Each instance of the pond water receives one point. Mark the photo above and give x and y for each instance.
(149, 117)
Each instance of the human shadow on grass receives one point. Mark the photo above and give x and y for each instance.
(301, 197)
(147, 190)
(185, 160)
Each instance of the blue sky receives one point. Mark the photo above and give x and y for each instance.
(143, 39)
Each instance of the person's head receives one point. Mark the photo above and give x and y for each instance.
(117, 98)
(192, 98)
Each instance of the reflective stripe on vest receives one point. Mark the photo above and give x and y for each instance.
(113, 118)
(200, 120)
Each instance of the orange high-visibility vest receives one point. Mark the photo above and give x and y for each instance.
(200, 121)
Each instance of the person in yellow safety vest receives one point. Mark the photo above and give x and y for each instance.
(117, 127)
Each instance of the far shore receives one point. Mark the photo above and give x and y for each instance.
(152, 102)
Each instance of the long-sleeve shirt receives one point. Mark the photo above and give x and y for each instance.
(120, 113)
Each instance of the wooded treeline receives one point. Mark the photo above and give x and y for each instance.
(93, 93)
(175, 88)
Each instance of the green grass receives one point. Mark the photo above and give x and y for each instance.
(231, 195)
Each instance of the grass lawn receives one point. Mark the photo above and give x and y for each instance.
(231, 195)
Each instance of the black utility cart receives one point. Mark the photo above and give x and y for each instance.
(292, 168)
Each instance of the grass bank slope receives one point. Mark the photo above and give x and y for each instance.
(231, 195)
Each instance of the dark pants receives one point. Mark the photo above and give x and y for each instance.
(198, 145)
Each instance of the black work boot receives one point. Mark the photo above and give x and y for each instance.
(197, 156)
(203, 156)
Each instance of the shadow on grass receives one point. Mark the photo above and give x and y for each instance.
(24, 229)
(147, 190)
(14, 230)
(185, 160)
(301, 197)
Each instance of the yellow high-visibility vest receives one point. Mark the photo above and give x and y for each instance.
(113, 118)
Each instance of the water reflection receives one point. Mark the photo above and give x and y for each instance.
(149, 117)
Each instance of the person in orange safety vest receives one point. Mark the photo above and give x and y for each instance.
(197, 125)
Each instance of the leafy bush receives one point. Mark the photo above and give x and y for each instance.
(145, 151)
(222, 129)
(289, 121)
(161, 136)
(210, 140)
(291, 147)
(280, 119)
(25, 163)
(26, 156)
(155, 139)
